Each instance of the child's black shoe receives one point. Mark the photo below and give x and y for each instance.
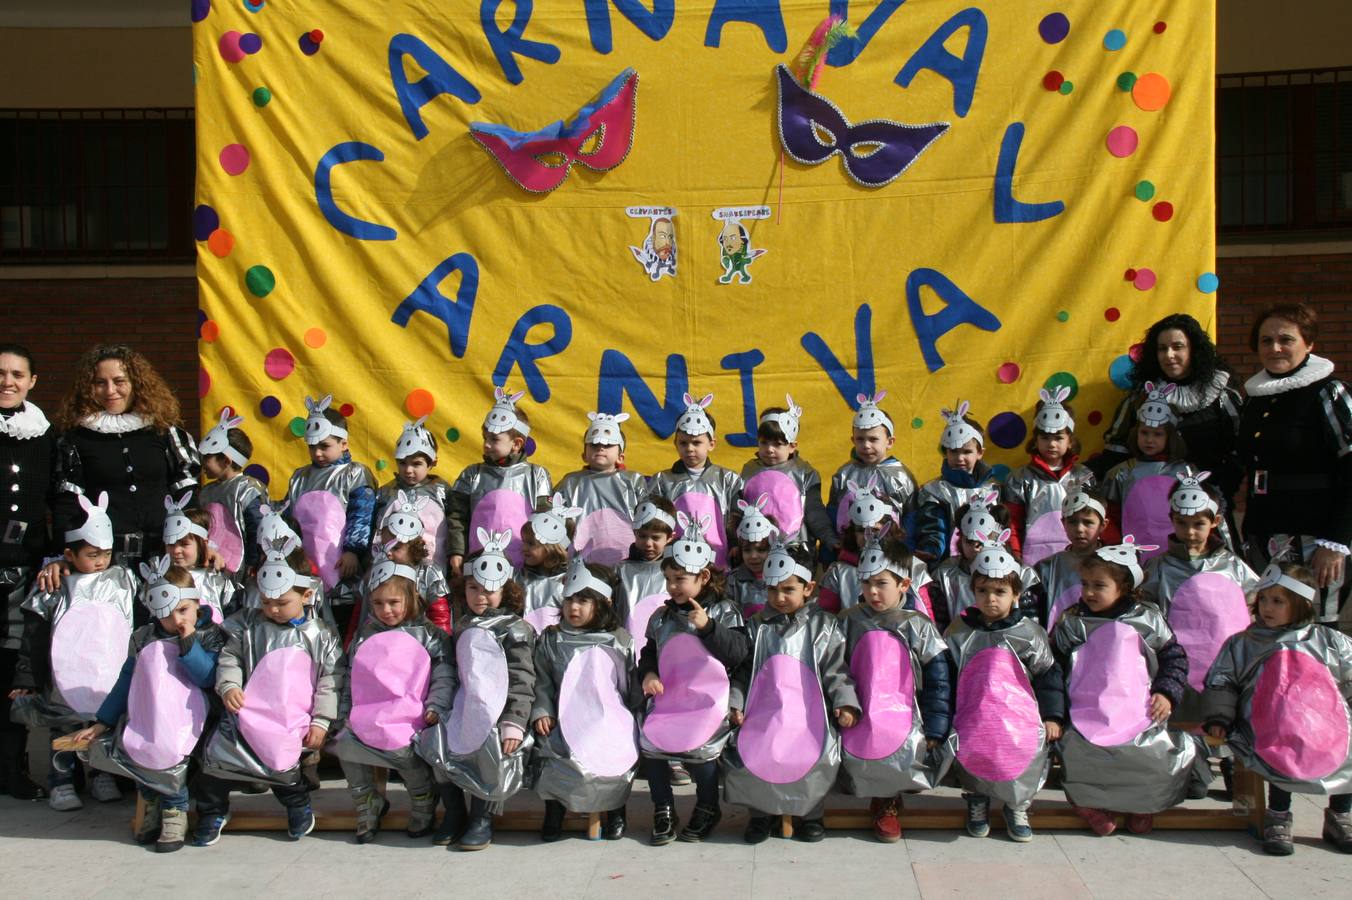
(702, 823)
(665, 824)
(757, 830)
(552, 828)
(810, 830)
(615, 825)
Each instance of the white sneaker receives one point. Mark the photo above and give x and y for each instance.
(103, 788)
(64, 799)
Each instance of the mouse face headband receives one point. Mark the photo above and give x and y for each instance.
(551, 525)
(386, 569)
(1189, 498)
(755, 526)
(502, 417)
(317, 427)
(415, 439)
(695, 421)
(1082, 500)
(217, 439)
(867, 415)
(1126, 554)
(780, 566)
(491, 568)
(1156, 411)
(872, 559)
(161, 597)
(978, 519)
(787, 421)
(993, 560)
(690, 551)
(275, 576)
(958, 433)
(1053, 418)
(273, 528)
(650, 512)
(867, 509)
(97, 530)
(401, 518)
(1273, 576)
(581, 579)
(177, 525)
(605, 429)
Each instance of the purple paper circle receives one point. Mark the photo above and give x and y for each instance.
(269, 407)
(254, 470)
(1054, 27)
(307, 45)
(251, 43)
(200, 9)
(204, 222)
(1007, 430)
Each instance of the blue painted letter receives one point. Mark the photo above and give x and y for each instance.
(427, 297)
(440, 79)
(847, 50)
(961, 71)
(518, 352)
(959, 309)
(346, 152)
(1007, 209)
(654, 24)
(764, 14)
(745, 364)
(619, 375)
(848, 385)
(509, 44)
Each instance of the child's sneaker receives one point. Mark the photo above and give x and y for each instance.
(1140, 823)
(679, 775)
(1277, 834)
(150, 824)
(665, 825)
(1338, 830)
(1016, 825)
(978, 815)
(1100, 820)
(300, 821)
(703, 821)
(64, 799)
(103, 788)
(886, 824)
(173, 830)
(209, 830)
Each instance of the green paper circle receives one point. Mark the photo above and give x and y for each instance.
(452, 434)
(382, 465)
(260, 281)
(1126, 81)
(1063, 316)
(917, 422)
(1144, 190)
(1066, 87)
(1065, 379)
(261, 96)
(297, 426)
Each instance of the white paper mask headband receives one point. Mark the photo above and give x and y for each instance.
(867, 509)
(605, 429)
(1156, 411)
(780, 566)
(957, 433)
(275, 576)
(787, 421)
(1082, 500)
(872, 559)
(401, 517)
(160, 597)
(317, 428)
(97, 530)
(581, 579)
(650, 512)
(755, 526)
(1126, 555)
(386, 569)
(415, 438)
(177, 525)
(695, 421)
(868, 415)
(273, 527)
(1053, 417)
(1189, 498)
(1273, 576)
(978, 519)
(218, 439)
(551, 525)
(690, 551)
(491, 568)
(502, 417)
(993, 560)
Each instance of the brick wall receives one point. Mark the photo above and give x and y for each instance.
(58, 319)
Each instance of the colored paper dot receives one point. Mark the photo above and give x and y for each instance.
(1052, 80)
(250, 43)
(203, 382)
(308, 45)
(1094, 417)
(260, 281)
(917, 423)
(1063, 316)
(1122, 141)
(220, 243)
(382, 465)
(234, 158)
(1162, 211)
(200, 9)
(1135, 351)
(229, 47)
(269, 407)
(1115, 39)
(1008, 373)
(201, 317)
(1130, 275)
(254, 6)
(209, 331)
(1067, 87)
(1007, 430)
(1125, 81)
(254, 470)
(530, 447)
(317, 36)
(297, 426)
(1054, 27)
(452, 434)
(1207, 282)
(1151, 91)
(420, 402)
(1144, 190)
(204, 222)
(1120, 371)
(1112, 314)
(261, 97)
(279, 363)
(1063, 379)
(346, 410)
(999, 472)
(1159, 27)
(316, 338)
(1145, 279)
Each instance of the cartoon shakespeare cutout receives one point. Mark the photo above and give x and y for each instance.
(734, 242)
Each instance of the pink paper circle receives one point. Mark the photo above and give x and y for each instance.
(637, 623)
(1144, 280)
(234, 158)
(229, 47)
(996, 716)
(483, 691)
(694, 700)
(501, 509)
(1122, 141)
(604, 537)
(278, 702)
(279, 363)
(1008, 373)
(1045, 536)
(1109, 686)
(1064, 601)
(165, 710)
(594, 721)
(1299, 718)
(1145, 513)
(391, 672)
(1207, 608)
(881, 669)
(785, 727)
(88, 648)
(784, 501)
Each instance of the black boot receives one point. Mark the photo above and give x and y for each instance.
(665, 824)
(479, 833)
(615, 824)
(552, 829)
(14, 778)
(453, 822)
(703, 821)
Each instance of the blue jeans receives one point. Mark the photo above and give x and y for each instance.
(63, 762)
(705, 776)
(164, 801)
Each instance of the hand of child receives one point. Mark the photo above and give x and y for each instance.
(1327, 565)
(348, 564)
(456, 562)
(431, 717)
(49, 579)
(652, 685)
(544, 725)
(846, 717)
(187, 629)
(1216, 731)
(509, 746)
(19, 692)
(234, 700)
(698, 617)
(1160, 707)
(214, 560)
(1053, 731)
(85, 735)
(314, 738)
(736, 716)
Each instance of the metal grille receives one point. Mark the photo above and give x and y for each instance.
(96, 185)
(1284, 151)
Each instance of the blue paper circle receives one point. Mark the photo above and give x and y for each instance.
(1000, 472)
(1207, 282)
(1054, 27)
(1120, 372)
(1007, 430)
(1115, 39)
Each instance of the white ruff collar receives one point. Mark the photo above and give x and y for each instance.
(28, 422)
(1189, 398)
(108, 423)
(1264, 384)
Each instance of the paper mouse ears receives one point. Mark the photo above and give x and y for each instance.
(649, 511)
(691, 551)
(401, 518)
(415, 438)
(275, 576)
(160, 597)
(957, 432)
(1156, 411)
(780, 565)
(978, 519)
(868, 415)
(993, 560)
(695, 421)
(550, 526)
(273, 527)
(1082, 499)
(605, 429)
(502, 417)
(755, 526)
(787, 421)
(97, 530)
(177, 525)
(1053, 417)
(217, 440)
(317, 428)
(872, 559)
(1273, 576)
(867, 508)
(1126, 554)
(491, 568)
(1190, 498)
(581, 579)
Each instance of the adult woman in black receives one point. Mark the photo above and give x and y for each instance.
(121, 433)
(1295, 439)
(27, 461)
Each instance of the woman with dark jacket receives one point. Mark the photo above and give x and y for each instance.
(1295, 440)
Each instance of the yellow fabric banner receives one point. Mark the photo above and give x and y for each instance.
(650, 207)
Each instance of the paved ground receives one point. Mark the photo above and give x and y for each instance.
(90, 854)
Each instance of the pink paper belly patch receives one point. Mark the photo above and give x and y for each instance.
(1064, 601)
(165, 710)
(1110, 686)
(881, 668)
(1206, 609)
(785, 727)
(924, 603)
(499, 510)
(595, 723)
(542, 617)
(996, 718)
(321, 518)
(1043, 538)
(390, 676)
(1145, 513)
(695, 505)
(1299, 719)
(784, 502)
(482, 695)
(694, 699)
(278, 701)
(223, 533)
(637, 626)
(434, 533)
(89, 646)
(604, 537)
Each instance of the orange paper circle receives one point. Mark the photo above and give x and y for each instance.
(220, 243)
(210, 331)
(1151, 91)
(316, 338)
(420, 402)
